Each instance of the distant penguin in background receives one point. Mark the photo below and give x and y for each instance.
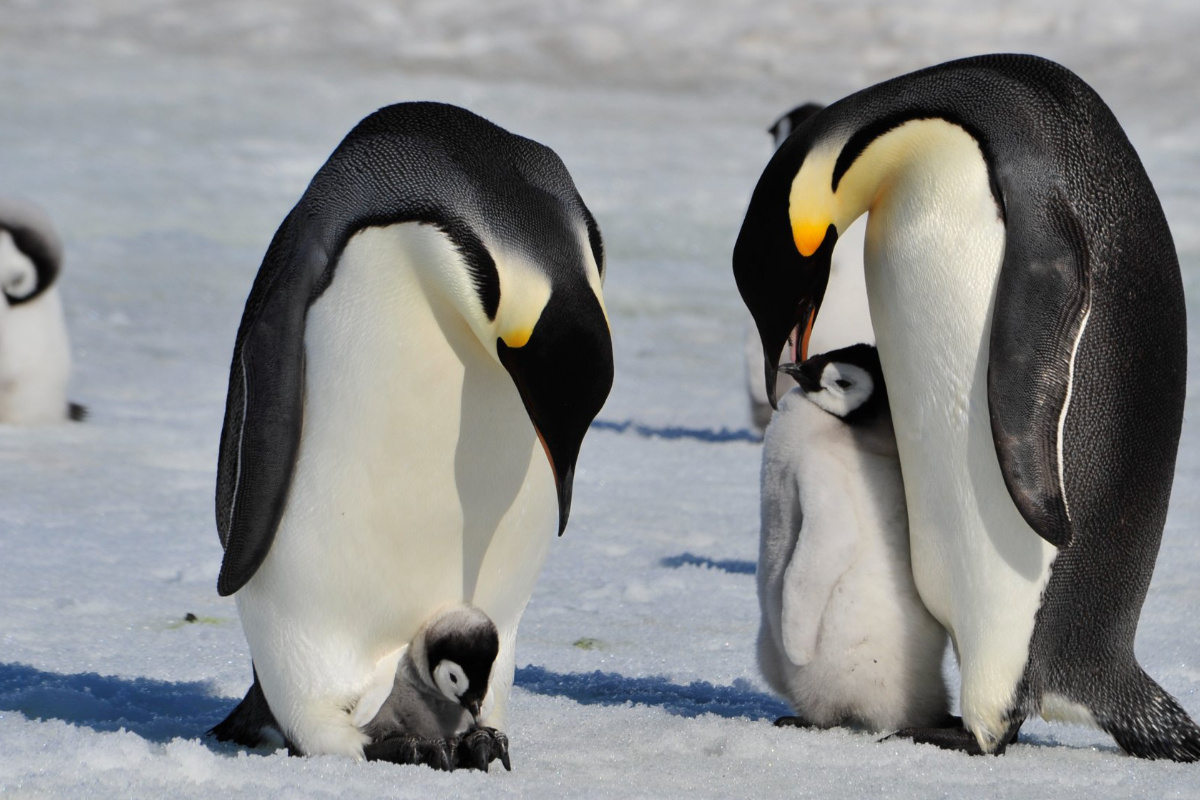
(421, 354)
(844, 635)
(848, 322)
(1029, 309)
(35, 355)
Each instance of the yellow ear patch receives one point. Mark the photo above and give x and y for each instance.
(518, 337)
(809, 236)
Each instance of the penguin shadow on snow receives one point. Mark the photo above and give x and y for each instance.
(157, 711)
(733, 566)
(674, 432)
(740, 700)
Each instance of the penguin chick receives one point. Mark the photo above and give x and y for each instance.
(440, 699)
(844, 637)
(35, 358)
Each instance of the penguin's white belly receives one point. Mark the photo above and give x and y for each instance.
(35, 360)
(932, 266)
(419, 483)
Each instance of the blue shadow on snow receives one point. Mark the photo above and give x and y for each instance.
(731, 565)
(675, 432)
(160, 711)
(741, 700)
(155, 710)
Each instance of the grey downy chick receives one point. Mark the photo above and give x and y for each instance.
(440, 700)
(845, 637)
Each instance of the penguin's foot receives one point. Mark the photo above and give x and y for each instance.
(954, 737)
(481, 746)
(405, 748)
(792, 722)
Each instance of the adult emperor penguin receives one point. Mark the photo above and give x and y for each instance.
(35, 355)
(844, 635)
(1028, 305)
(421, 354)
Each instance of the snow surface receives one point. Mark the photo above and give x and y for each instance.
(168, 139)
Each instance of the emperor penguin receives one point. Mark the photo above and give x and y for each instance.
(844, 635)
(851, 322)
(421, 354)
(1028, 305)
(35, 355)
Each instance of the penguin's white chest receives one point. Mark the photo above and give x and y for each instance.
(419, 481)
(935, 243)
(35, 357)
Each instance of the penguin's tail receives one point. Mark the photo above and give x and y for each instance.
(1147, 722)
(251, 724)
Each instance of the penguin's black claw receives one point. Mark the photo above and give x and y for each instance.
(440, 754)
(76, 412)
(480, 746)
(792, 722)
(954, 737)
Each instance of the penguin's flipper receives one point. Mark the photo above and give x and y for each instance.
(817, 564)
(1042, 304)
(264, 411)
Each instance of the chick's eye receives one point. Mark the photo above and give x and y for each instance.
(453, 678)
(843, 383)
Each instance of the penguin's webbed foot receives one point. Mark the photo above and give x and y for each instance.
(792, 722)
(481, 746)
(955, 737)
(408, 749)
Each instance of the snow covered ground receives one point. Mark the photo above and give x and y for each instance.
(168, 139)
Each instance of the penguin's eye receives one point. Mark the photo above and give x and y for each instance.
(843, 383)
(453, 678)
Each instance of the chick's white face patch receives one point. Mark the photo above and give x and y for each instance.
(451, 680)
(844, 387)
(18, 275)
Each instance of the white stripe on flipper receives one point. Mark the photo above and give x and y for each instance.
(1062, 418)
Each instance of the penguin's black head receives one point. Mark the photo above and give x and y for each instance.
(30, 252)
(460, 647)
(847, 383)
(563, 372)
(783, 127)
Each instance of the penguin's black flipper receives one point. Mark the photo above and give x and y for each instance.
(1042, 302)
(264, 411)
(251, 723)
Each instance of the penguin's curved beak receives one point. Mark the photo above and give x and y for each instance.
(782, 288)
(563, 374)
